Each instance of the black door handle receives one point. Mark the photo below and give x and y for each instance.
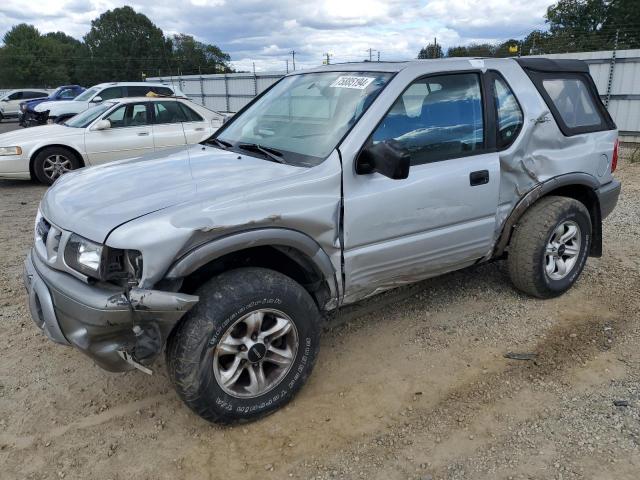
(481, 177)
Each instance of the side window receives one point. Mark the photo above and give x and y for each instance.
(15, 96)
(508, 113)
(117, 117)
(111, 93)
(573, 101)
(168, 112)
(67, 93)
(137, 91)
(164, 91)
(190, 115)
(436, 118)
(129, 115)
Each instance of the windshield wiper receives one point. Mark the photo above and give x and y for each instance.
(220, 143)
(269, 152)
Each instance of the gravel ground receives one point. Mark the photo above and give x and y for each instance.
(410, 385)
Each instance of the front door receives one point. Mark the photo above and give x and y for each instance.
(11, 105)
(130, 135)
(442, 217)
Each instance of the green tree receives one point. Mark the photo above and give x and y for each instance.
(122, 45)
(623, 16)
(472, 50)
(432, 50)
(31, 59)
(190, 56)
(575, 25)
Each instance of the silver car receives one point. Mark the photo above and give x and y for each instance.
(335, 184)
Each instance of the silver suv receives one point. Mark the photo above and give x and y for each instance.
(335, 184)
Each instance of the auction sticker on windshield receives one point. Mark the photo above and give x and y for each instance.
(359, 83)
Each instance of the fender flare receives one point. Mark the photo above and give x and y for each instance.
(276, 237)
(539, 191)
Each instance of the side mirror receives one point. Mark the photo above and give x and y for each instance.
(102, 125)
(96, 99)
(5, 99)
(386, 158)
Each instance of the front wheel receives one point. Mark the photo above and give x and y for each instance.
(246, 348)
(550, 246)
(53, 162)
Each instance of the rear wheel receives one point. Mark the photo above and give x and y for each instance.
(246, 348)
(53, 162)
(549, 247)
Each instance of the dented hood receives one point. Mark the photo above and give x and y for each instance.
(93, 201)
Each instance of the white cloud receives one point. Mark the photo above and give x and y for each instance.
(265, 31)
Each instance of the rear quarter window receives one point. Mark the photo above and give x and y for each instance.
(573, 100)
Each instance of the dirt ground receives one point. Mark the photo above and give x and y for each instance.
(411, 385)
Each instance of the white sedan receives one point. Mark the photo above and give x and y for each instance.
(113, 130)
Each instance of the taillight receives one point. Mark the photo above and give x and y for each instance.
(614, 157)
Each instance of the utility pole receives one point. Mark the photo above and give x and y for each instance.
(293, 58)
(435, 47)
(378, 55)
(370, 50)
(287, 65)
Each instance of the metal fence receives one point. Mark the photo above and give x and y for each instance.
(227, 92)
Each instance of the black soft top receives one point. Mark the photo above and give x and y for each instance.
(553, 65)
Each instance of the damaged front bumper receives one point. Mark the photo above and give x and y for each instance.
(115, 329)
(30, 118)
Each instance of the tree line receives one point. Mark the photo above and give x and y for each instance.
(573, 26)
(122, 45)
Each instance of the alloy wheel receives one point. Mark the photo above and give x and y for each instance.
(255, 353)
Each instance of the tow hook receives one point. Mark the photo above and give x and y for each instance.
(129, 359)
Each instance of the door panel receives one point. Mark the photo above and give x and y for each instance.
(442, 217)
(196, 128)
(12, 106)
(399, 231)
(130, 135)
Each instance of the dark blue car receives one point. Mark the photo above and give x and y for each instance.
(28, 117)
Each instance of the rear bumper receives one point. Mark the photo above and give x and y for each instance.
(608, 196)
(101, 322)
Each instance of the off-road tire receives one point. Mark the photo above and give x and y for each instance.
(526, 257)
(38, 162)
(223, 300)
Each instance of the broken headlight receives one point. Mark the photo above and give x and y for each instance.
(83, 255)
(102, 262)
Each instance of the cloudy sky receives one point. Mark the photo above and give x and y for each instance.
(265, 31)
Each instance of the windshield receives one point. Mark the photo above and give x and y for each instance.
(303, 117)
(86, 95)
(56, 92)
(84, 119)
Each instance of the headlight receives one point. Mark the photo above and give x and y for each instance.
(102, 262)
(83, 255)
(10, 151)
